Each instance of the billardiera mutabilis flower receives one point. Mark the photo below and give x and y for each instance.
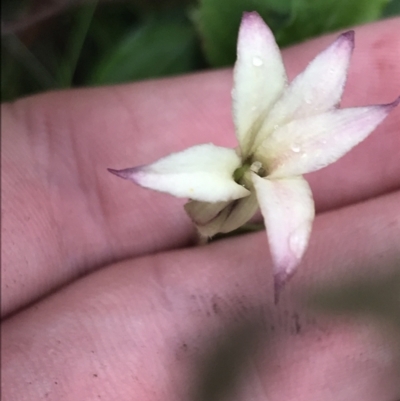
(284, 131)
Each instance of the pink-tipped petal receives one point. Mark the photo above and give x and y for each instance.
(203, 172)
(288, 210)
(126, 174)
(316, 90)
(280, 279)
(312, 143)
(259, 77)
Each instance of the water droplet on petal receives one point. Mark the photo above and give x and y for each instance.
(295, 147)
(257, 61)
(298, 241)
(308, 98)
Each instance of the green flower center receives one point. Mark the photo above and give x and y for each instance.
(255, 167)
(240, 171)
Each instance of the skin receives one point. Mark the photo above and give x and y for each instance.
(103, 294)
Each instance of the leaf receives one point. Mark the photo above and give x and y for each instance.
(75, 42)
(291, 21)
(22, 71)
(218, 22)
(315, 17)
(392, 9)
(158, 47)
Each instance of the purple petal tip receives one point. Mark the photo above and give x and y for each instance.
(280, 280)
(388, 107)
(349, 35)
(347, 39)
(395, 103)
(125, 174)
(249, 16)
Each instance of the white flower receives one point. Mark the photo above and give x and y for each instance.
(283, 131)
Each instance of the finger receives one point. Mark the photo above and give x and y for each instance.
(64, 214)
(136, 329)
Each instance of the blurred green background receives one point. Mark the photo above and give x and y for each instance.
(48, 44)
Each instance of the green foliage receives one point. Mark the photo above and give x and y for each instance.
(392, 9)
(99, 44)
(314, 17)
(112, 42)
(291, 20)
(21, 71)
(75, 41)
(158, 47)
(218, 22)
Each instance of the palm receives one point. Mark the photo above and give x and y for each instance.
(131, 329)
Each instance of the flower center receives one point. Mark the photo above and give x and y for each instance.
(256, 167)
(240, 171)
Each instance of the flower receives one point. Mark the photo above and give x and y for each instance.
(284, 131)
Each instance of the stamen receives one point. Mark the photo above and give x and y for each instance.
(258, 168)
(255, 167)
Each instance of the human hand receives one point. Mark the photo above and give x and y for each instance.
(149, 303)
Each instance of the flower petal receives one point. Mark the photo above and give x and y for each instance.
(202, 213)
(288, 210)
(221, 217)
(312, 143)
(203, 172)
(242, 211)
(213, 227)
(259, 78)
(316, 90)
